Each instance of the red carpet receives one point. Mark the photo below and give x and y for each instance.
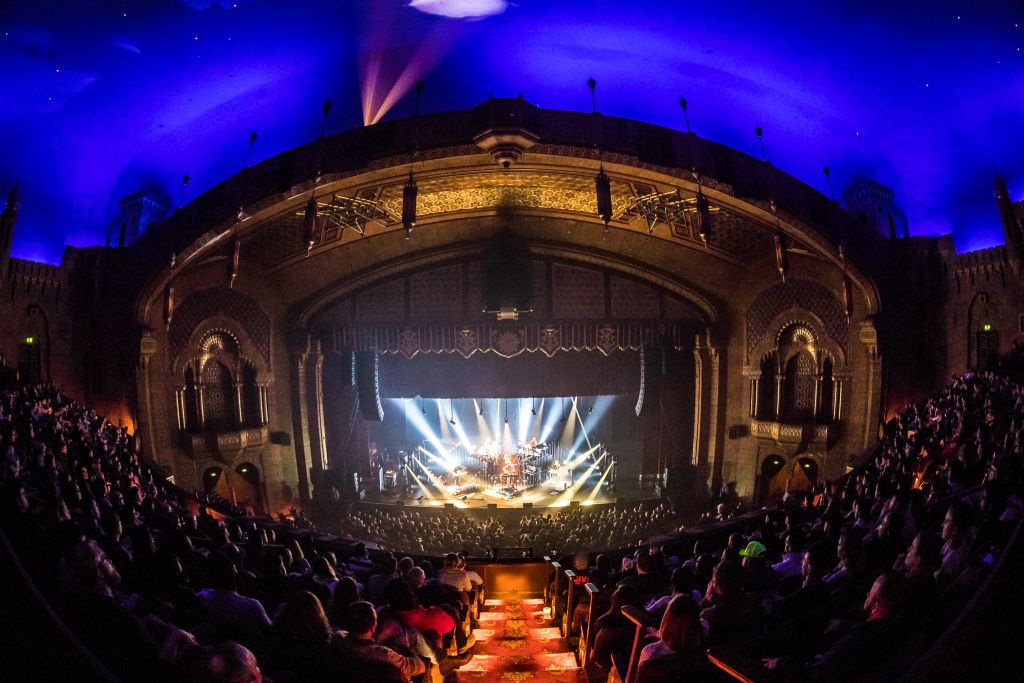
(516, 643)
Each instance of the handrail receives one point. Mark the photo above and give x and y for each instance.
(557, 566)
(567, 614)
(636, 615)
(586, 644)
(728, 669)
(942, 641)
(96, 667)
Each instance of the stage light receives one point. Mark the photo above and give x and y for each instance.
(452, 422)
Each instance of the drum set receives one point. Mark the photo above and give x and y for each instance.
(512, 471)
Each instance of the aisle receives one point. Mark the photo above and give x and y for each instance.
(515, 643)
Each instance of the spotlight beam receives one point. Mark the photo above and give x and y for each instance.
(571, 492)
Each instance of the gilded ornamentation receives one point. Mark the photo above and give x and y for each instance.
(516, 676)
(409, 346)
(507, 188)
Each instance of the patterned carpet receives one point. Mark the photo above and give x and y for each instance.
(516, 643)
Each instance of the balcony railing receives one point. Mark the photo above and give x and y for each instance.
(789, 432)
(232, 442)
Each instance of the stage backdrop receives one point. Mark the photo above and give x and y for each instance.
(488, 375)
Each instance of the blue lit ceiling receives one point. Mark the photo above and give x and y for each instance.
(100, 98)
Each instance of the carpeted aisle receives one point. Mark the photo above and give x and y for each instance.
(515, 643)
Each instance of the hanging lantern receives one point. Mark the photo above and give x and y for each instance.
(704, 227)
(604, 197)
(168, 307)
(780, 255)
(234, 262)
(409, 192)
(847, 296)
(310, 224)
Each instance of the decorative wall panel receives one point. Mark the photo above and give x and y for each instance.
(578, 292)
(633, 300)
(382, 303)
(805, 294)
(219, 301)
(436, 294)
(511, 339)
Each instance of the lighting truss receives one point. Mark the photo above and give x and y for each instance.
(666, 208)
(354, 213)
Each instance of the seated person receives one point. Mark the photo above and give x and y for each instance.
(613, 631)
(230, 662)
(860, 654)
(363, 619)
(238, 617)
(761, 579)
(678, 652)
(453, 576)
(730, 612)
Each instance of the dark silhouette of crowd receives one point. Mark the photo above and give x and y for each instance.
(570, 529)
(424, 532)
(844, 581)
(161, 588)
(850, 580)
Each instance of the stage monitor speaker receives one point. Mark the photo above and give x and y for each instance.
(400, 503)
(574, 503)
(527, 506)
(368, 385)
(492, 506)
(449, 505)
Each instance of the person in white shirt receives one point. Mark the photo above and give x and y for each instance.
(452, 576)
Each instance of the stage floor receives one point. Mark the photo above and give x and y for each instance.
(538, 497)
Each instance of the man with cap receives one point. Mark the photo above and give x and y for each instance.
(761, 579)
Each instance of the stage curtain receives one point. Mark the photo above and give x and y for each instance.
(487, 375)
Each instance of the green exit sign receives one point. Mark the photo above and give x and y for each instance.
(30, 340)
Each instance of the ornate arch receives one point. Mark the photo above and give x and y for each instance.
(219, 303)
(805, 296)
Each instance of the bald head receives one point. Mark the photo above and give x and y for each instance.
(232, 663)
(416, 577)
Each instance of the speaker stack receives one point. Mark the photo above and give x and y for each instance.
(368, 385)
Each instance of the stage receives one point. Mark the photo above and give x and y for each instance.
(535, 497)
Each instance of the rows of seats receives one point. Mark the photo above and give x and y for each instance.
(851, 580)
(161, 588)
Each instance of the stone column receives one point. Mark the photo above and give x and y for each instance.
(201, 406)
(299, 361)
(873, 382)
(778, 396)
(147, 349)
(264, 412)
(318, 436)
(240, 405)
(817, 396)
(707, 432)
(701, 369)
(715, 415)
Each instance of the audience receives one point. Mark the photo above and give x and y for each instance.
(164, 586)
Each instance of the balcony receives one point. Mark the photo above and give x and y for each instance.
(224, 443)
(804, 434)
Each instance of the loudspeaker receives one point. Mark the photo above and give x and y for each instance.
(281, 438)
(368, 385)
(400, 503)
(650, 370)
(738, 431)
(527, 506)
(449, 505)
(492, 506)
(574, 503)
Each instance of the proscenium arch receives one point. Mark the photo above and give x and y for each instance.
(569, 156)
(306, 312)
